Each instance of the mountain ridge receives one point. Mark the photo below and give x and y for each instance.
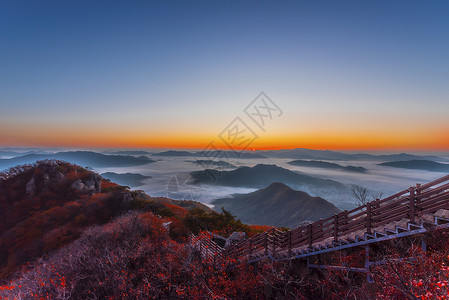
(304, 153)
(426, 165)
(325, 165)
(85, 158)
(260, 176)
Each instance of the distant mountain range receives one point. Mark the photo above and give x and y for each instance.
(277, 205)
(301, 153)
(8, 153)
(174, 153)
(326, 165)
(214, 163)
(220, 153)
(83, 158)
(129, 152)
(233, 154)
(128, 179)
(259, 176)
(425, 165)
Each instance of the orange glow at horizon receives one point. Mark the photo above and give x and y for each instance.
(80, 137)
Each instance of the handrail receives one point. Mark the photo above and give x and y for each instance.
(409, 203)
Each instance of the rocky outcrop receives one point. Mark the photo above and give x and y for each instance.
(78, 185)
(127, 198)
(51, 174)
(30, 187)
(92, 184)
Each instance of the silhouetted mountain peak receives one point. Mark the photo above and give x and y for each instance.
(278, 186)
(265, 167)
(277, 205)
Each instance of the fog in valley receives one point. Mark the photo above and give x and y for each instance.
(170, 177)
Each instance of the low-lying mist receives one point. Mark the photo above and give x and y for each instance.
(170, 177)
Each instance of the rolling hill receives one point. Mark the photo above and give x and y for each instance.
(220, 164)
(259, 176)
(128, 179)
(426, 165)
(326, 165)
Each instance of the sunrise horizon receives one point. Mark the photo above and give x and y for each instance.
(340, 77)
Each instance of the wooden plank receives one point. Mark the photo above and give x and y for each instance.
(431, 192)
(435, 182)
(335, 227)
(368, 218)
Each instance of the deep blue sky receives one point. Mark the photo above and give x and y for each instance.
(152, 72)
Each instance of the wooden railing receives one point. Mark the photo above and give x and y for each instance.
(408, 204)
(207, 247)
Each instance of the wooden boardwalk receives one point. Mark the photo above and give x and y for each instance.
(406, 213)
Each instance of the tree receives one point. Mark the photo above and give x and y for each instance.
(360, 193)
(375, 196)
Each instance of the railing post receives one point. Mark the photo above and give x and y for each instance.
(336, 227)
(367, 264)
(266, 243)
(249, 250)
(368, 218)
(289, 243)
(310, 235)
(412, 212)
(418, 198)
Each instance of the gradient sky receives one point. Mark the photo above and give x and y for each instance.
(347, 74)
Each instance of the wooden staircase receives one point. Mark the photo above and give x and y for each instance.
(406, 213)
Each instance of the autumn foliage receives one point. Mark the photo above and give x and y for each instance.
(132, 257)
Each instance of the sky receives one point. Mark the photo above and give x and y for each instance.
(345, 75)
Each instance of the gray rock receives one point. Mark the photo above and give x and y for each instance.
(234, 238)
(30, 187)
(78, 185)
(96, 178)
(220, 240)
(91, 185)
(127, 198)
